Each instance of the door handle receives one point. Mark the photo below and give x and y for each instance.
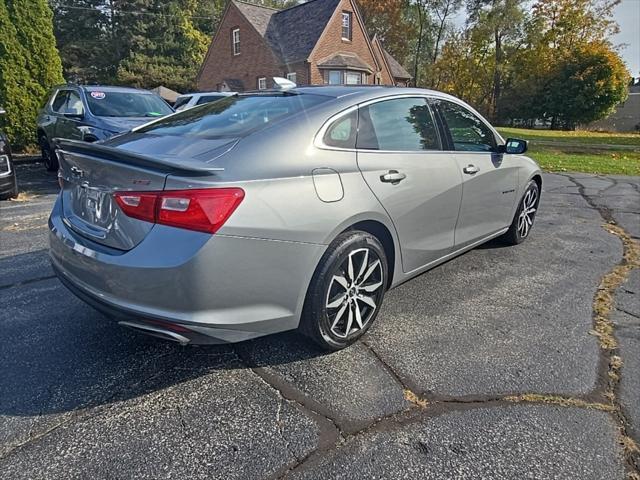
(471, 169)
(393, 177)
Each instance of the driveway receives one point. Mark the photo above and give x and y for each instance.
(519, 362)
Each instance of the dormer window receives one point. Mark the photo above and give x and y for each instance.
(235, 38)
(346, 26)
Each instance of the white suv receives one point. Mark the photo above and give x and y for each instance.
(189, 100)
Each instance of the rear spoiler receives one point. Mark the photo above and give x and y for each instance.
(165, 165)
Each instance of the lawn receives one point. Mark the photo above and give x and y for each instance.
(581, 151)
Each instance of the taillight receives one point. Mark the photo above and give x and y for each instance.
(204, 210)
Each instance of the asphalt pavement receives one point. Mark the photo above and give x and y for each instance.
(504, 363)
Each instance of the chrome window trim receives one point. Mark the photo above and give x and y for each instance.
(318, 140)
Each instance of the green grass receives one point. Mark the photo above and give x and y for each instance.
(575, 137)
(581, 151)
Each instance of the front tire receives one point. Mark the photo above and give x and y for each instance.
(48, 157)
(522, 223)
(346, 291)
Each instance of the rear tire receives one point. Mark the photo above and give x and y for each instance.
(522, 223)
(48, 157)
(346, 291)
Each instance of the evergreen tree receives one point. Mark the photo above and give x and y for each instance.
(16, 84)
(33, 21)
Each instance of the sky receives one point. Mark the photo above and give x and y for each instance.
(627, 14)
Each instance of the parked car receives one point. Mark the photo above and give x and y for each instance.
(8, 179)
(189, 100)
(93, 112)
(270, 211)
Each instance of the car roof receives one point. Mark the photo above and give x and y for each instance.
(106, 88)
(363, 92)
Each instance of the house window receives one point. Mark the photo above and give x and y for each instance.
(292, 77)
(353, 78)
(235, 36)
(262, 83)
(346, 25)
(335, 77)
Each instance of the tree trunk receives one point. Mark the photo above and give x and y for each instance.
(497, 78)
(419, 45)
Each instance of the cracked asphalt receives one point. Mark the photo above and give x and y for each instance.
(506, 362)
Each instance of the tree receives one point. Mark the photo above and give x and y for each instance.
(33, 21)
(14, 83)
(499, 22)
(586, 85)
(29, 65)
(388, 20)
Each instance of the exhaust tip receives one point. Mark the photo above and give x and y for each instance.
(157, 332)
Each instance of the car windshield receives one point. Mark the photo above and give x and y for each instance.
(126, 104)
(234, 116)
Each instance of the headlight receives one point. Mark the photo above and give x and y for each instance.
(5, 165)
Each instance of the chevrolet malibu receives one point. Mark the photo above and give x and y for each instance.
(284, 209)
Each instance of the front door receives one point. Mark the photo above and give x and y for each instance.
(489, 180)
(401, 158)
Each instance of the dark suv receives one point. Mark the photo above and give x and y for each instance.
(92, 113)
(8, 181)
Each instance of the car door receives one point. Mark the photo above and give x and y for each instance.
(70, 119)
(400, 155)
(489, 179)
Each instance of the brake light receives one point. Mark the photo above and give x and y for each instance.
(204, 210)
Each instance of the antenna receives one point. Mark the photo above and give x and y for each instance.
(280, 83)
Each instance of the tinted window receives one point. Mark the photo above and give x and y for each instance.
(126, 104)
(59, 101)
(342, 132)
(182, 101)
(74, 104)
(233, 116)
(208, 98)
(403, 124)
(468, 132)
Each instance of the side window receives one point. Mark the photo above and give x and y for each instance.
(60, 101)
(468, 132)
(342, 132)
(402, 124)
(74, 104)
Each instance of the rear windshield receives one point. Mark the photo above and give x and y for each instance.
(234, 116)
(182, 101)
(126, 104)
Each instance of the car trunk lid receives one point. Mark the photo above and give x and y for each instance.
(91, 173)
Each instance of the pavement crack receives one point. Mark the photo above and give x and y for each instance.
(604, 328)
(409, 393)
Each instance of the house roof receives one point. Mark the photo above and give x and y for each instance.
(234, 84)
(397, 70)
(345, 60)
(293, 32)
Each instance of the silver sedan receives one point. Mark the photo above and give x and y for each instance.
(270, 211)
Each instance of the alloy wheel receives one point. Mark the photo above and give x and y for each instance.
(355, 291)
(527, 214)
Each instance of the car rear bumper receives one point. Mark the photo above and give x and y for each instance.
(209, 289)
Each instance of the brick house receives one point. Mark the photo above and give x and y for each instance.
(314, 43)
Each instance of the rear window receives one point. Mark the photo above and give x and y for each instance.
(208, 98)
(234, 116)
(182, 101)
(126, 104)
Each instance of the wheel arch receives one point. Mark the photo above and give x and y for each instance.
(384, 235)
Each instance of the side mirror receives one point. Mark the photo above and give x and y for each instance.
(514, 146)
